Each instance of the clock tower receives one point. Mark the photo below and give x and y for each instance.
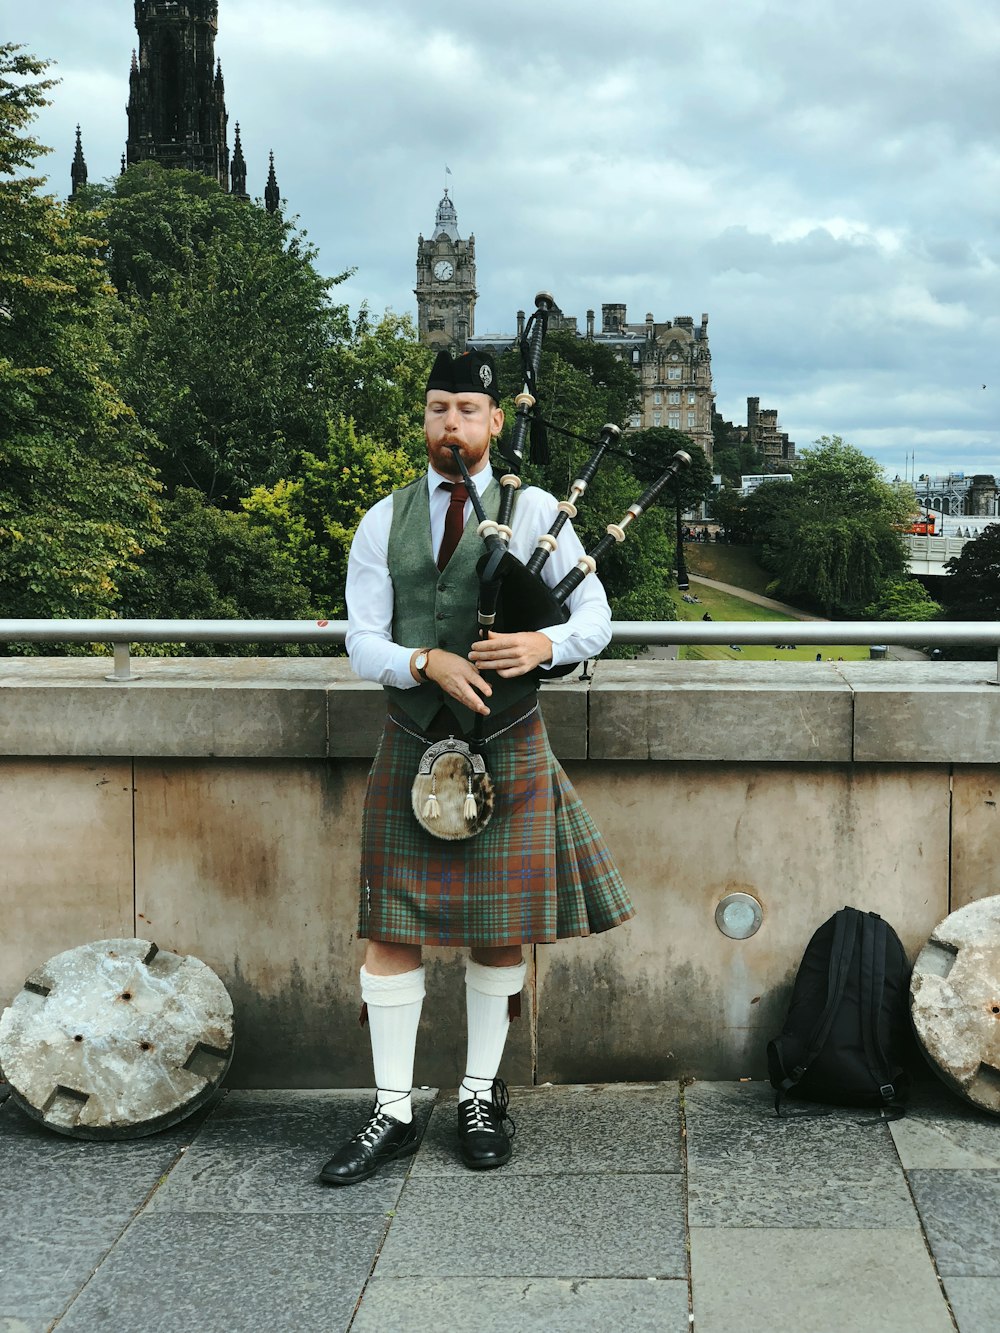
(446, 283)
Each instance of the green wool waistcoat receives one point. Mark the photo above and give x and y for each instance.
(435, 608)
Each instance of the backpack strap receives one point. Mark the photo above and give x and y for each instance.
(874, 939)
(845, 933)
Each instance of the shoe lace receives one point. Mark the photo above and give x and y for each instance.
(377, 1121)
(487, 1110)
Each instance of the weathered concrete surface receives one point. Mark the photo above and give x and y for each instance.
(116, 1039)
(975, 851)
(705, 710)
(668, 994)
(913, 713)
(955, 1001)
(66, 867)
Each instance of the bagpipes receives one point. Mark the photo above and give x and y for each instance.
(452, 794)
(513, 597)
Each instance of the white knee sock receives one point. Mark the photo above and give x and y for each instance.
(394, 1005)
(487, 990)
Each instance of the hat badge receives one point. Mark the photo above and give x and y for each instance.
(486, 375)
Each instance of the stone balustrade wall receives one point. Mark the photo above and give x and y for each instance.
(213, 805)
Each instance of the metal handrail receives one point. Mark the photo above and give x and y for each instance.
(920, 633)
(122, 633)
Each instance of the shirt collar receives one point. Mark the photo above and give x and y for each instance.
(480, 479)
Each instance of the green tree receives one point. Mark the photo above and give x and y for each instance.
(653, 449)
(731, 456)
(228, 329)
(972, 591)
(313, 516)
(214, 565)
(902, 599)
(77, 500)
(377, 376)
(830, 535)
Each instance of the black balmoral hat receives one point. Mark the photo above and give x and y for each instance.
(472, 372)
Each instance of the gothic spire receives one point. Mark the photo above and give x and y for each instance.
(272, 196)
(239, 168)
(78, 171)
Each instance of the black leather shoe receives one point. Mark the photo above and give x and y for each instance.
(382, 1140)
(482, 1139)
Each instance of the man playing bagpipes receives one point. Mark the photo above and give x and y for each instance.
(473, 835)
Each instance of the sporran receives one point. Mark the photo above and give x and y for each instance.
(452, 793)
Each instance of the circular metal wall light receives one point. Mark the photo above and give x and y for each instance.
(739, 915)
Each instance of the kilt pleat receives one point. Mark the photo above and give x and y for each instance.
(538, 872)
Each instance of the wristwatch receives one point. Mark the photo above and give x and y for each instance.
(420, 663)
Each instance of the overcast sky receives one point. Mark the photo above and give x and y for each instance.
(821, 178)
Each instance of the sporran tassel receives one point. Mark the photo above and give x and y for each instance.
(432, 806)
(470, 809)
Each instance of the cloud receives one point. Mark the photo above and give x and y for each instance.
(821, 180)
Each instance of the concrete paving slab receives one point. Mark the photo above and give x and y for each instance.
(262, 1151)
(64, 1203)
(216, 1272)
(10, 1324)
(959, 1210)
(588, 1130)
(815, 1280)
(746, 1168)
(497, 1223)
(961, 1138)
(975, 1303)
(529, 1305)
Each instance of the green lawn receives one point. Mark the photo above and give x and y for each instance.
(724, 606)
(727, 564)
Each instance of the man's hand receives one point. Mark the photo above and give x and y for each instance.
(511, 654)
(458, 678)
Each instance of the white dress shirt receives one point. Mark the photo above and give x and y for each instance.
(370, 647)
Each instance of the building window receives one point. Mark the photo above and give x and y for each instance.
(692, 420)
(673, 372)
(635, 357)
(692, 396)
(635, 421)
(674, 420)
(657, 418)
(657, 398)
(674, 396)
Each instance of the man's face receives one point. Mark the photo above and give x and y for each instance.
(470, 420)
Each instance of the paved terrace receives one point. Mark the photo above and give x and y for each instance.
(643, 1207)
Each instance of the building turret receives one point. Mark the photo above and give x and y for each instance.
(239, 168)
(272, 195)
(78, 171)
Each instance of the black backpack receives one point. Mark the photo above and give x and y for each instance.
(847, 1032)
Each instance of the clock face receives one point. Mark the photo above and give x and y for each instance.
(443, 270)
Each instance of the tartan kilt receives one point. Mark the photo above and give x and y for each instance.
(538, 872)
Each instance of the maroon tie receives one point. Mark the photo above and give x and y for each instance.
(454, 520)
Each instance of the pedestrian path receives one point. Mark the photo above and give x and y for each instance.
(632, 1206)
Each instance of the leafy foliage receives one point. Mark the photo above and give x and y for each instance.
(314, 516)
(214, 565)
(972, 591)
(227, 329)
(77, 498)
(902, 599)
(830, 534)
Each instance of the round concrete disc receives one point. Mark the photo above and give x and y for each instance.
(116, 1039)
(955, 1002)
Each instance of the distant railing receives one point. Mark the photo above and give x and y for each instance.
(120, 634)
(933, 550)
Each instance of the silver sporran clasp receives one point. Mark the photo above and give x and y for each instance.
(452, 792)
